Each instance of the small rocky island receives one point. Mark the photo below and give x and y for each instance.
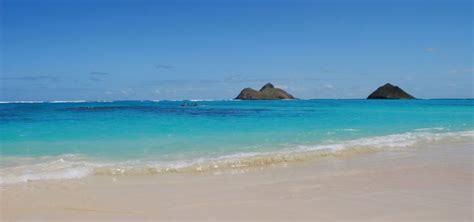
(267, 92)
(389, 91)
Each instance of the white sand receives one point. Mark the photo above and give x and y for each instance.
(433, 184)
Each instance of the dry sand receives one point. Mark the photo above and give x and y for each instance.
(432, 184)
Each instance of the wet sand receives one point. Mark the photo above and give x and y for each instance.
(432, 183)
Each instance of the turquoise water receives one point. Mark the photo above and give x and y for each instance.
(68, 140)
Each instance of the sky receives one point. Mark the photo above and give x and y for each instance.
(211, 49)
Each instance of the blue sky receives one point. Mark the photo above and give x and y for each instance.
(143, 49)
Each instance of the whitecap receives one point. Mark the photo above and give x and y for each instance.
(76, 166)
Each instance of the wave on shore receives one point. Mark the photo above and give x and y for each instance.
(77, 166)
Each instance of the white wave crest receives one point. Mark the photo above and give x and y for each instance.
(73, 166)
(7, 102)
(69, 101)
(49, 170)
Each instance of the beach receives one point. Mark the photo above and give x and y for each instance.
(433, 183)
(300, 160)
(272, 110)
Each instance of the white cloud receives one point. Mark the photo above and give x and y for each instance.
(430, 50)
(127, 91)
(462, 71)
(328, 86)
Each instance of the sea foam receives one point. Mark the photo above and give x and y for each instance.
(74, 167)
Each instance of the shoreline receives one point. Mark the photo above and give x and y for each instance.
(430, 183)
(70, 166)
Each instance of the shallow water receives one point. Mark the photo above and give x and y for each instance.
(71, 140)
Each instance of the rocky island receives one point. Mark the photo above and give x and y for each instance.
(267, 92)
(389, 91)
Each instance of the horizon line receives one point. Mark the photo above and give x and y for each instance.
(203, 100)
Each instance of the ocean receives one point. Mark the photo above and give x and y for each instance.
(68, 140)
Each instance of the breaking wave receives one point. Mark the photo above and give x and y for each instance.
(76, 166)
